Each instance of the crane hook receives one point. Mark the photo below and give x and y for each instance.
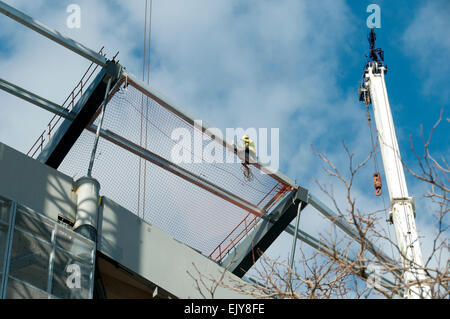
(377, 183)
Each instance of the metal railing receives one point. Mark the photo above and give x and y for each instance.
(68, 104)
(242, 229)
(224, 247)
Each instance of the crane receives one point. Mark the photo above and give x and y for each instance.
(402, 210)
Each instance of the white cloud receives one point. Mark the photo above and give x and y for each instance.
(426, 40)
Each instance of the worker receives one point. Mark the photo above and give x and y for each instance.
(250, 150)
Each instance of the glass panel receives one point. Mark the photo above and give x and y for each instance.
(20, 290)
(71, 277)
(29, 260)
(4, 210)
(75, 244)
(35, 225)
(3, 243)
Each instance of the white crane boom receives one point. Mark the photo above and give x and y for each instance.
(402, 210)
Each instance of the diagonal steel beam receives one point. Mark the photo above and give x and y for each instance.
(35, 99)
(177, 170)
(320, 246)
(68, 132)
(346, 227)
(52, 34)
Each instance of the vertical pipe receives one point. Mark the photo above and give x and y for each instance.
(93, 271)
(97, 135)
(294, 240)
(87, 207)
(51, 262)
(86, 223)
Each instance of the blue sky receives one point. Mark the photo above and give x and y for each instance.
(294, 65)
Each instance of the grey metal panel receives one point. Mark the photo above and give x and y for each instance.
(35, 185)
(154, 255)
(51, 34)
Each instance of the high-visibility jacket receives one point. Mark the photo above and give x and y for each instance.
(250, 145)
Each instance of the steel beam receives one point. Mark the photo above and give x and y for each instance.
(312, 241)
(294, 240)
(52, 34)
(347, 228)
(177, 170)
(83, 111)
(189, 118)
(251, 248)
(35, 99)
(318, 245)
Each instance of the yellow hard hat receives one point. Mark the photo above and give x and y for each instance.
(245, 137)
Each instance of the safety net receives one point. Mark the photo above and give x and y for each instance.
(199, 216)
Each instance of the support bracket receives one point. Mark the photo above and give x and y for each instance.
(251, 248)
(402, 201)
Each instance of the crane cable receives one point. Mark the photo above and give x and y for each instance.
(144, 170)
(375, 160)
(372, 143)
(147, 102)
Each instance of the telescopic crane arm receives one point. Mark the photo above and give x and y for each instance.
(402, 212)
